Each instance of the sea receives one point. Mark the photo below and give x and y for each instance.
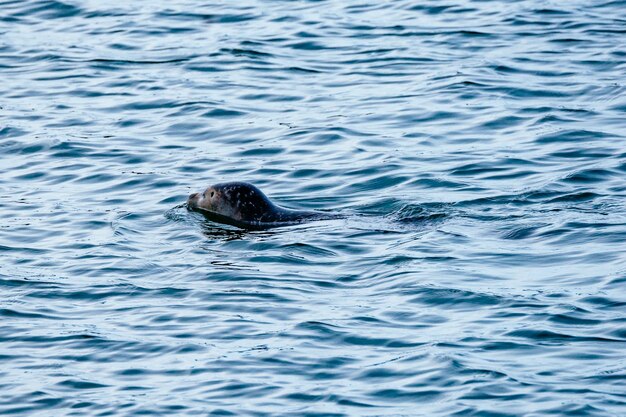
(475, 151)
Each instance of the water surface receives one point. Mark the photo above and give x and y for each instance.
(477, 149)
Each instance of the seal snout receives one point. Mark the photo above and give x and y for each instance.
(192, 201)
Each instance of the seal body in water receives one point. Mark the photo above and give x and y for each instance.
(244, 205)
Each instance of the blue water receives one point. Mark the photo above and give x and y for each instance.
(476, 148)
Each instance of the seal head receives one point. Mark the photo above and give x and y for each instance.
(243, 205)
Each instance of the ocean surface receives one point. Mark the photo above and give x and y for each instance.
(475, 149)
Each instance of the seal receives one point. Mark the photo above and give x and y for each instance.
(243, 205)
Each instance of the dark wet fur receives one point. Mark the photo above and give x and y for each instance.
(258, 210)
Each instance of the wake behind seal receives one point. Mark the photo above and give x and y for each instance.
(243, 205)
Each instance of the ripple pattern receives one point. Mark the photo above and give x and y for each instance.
(477, 148)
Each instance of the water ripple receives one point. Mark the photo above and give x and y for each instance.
(474, 150)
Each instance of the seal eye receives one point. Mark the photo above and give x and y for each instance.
(212, 193)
